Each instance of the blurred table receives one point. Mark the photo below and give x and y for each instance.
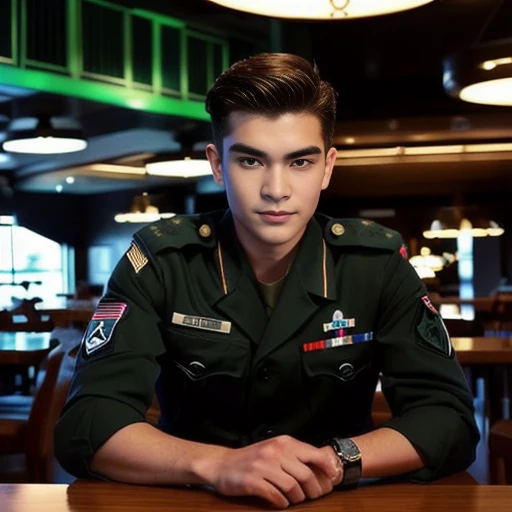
(491, 359)
(22, 350)
(453, 494)
(65, 312)
(483, 350)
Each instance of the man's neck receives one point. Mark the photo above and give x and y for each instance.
(271, 262)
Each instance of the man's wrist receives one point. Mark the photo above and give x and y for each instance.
(336, 464)
(203, 469)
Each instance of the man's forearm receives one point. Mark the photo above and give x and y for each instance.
(385, 452)
(140, 453)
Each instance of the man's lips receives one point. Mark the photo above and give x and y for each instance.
(276, 216)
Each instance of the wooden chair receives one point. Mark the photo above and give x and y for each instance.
(31, 319)
(32, 434)
(500, 453)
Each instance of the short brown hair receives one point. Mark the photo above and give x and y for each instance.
(271, 84)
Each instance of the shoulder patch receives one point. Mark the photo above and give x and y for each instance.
(177, 232)
(362, 233)
(432, 331)
(98, 336)
(136, 257)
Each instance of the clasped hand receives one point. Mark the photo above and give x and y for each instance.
(281, 470)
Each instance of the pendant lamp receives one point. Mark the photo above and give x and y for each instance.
(321, 9)
(44, 136)
(483, 72)
(142, 211)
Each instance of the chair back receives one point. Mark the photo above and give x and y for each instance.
(48, 403)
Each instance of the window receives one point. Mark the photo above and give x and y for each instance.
(27, 257)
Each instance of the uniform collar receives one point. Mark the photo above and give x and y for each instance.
(313, 263)
(311, 277)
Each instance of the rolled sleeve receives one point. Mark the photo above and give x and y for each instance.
(114, 386)
(421, 378)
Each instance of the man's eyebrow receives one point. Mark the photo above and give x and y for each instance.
(238, 147)
(310, 150)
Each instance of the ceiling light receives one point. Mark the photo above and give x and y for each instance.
(182, 168)
(482, 74)
(141, 210)
(452, 222)
(398, 151)
(117, 169)
(7, 220)
(427, 259)
(321, 9)
(44, 136)
(59, 188)
(70, 180)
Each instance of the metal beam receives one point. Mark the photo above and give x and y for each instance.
(106, 93)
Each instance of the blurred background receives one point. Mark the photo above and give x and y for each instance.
(114, 91)
(103, 129)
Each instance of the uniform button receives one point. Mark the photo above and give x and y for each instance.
(205, 231)
(197, 368)
(263, 373)
(346, 371)
(337, 229)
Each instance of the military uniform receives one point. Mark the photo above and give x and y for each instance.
(184, 309)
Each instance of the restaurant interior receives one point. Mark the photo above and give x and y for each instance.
(103, 130)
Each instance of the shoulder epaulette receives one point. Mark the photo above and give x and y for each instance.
(177, 232)
(361, 233)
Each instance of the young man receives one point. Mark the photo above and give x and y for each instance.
(266, 327)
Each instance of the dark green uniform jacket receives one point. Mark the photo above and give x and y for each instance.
(184, 309)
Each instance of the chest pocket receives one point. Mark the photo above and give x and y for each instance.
(343, 363)
(201, 355)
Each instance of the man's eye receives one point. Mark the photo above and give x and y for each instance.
(301, 162)
(249, 162)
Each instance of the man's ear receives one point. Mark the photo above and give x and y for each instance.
(330, 160)
(215, 163)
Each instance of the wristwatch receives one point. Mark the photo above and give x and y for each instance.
(350, 457)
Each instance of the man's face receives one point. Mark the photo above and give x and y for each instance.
(273, 170)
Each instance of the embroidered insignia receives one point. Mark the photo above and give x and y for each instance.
(137, 257)
(428, 303)
(338, 322)
(403, 252)
(203, 323)
(102, 324)
(337, 342)
(432, 330)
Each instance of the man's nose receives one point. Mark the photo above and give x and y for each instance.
(277, 184)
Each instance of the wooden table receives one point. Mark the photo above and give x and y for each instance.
(483, 351)
(82, 496)
(491, 359)
(64, 313)
(22, 350)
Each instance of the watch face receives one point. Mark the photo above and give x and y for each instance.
(349, 449)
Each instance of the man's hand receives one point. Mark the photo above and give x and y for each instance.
(280, 470)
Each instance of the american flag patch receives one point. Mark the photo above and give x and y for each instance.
(102, 324)
(109, 311)
(429, 304)
(337, 342)
(137, 257)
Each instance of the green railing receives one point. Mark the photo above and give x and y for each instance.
(97, 50)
